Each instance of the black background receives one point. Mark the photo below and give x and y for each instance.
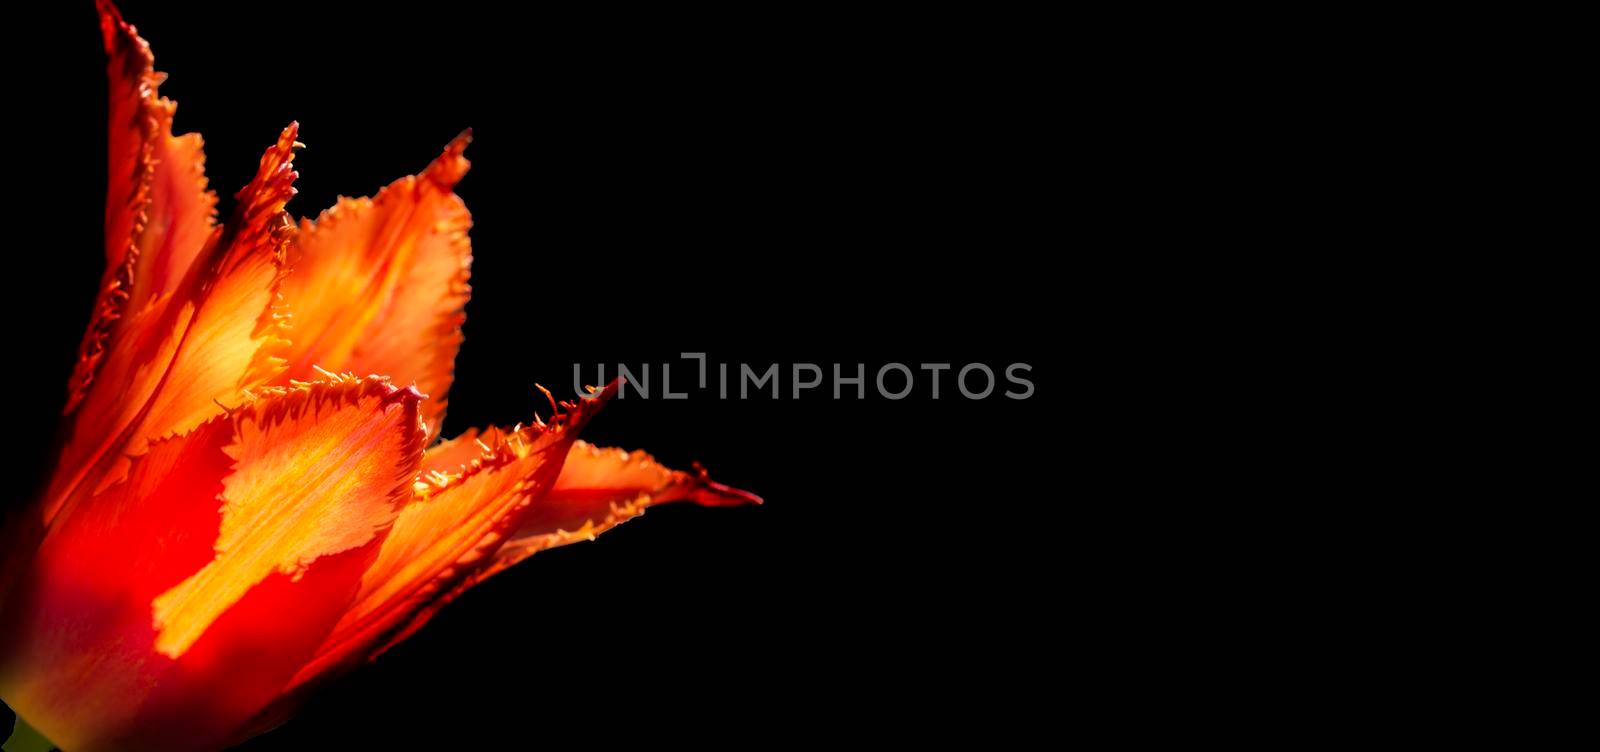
(776, 189)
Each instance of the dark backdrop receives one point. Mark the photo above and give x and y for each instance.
(776, 189)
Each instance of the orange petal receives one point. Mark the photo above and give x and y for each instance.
(157, 204)
(451, 529)
(379, 285)
(175, 605)
(179, 360)
(234, 341)
(179, 218)
(453, 455)
(601, 488)
(159, 213)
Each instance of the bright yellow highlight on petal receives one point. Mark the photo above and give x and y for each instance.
(318, 470)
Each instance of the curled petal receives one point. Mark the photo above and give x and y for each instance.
(175, 605)
(379, 285)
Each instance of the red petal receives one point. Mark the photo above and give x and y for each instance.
(130, 71)
(170, 609)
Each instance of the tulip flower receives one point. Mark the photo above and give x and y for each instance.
(245, 502)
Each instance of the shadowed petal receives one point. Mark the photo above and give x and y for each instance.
(379, 285)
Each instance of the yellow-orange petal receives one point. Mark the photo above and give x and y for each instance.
(450, 454)
(451, 528)
(318, 471)
(179, 361)
(175, 606)
(380, 285)
(159, 212)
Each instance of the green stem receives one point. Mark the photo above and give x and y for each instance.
(27, 739)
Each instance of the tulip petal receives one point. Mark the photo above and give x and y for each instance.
(601, 488)
(317, 472)
(159, 212)
(379, 285)
(471, 519)
(179, 218)
(130, 71)
(453, 455)
(182, 600)
(178, 361)
(451, 528)
(596, 490)
(235, 339)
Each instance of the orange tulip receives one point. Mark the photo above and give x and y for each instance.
(233, 516)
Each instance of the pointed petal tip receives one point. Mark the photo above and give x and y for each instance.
(274, 181)
(713, 494)
(111, 24)
(452, 165)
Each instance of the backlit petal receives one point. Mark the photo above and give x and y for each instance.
(159, 213)
(451, 456)
(597, 490)
(317, 472)
(179, 360)
(379, 285)
(601, 488)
